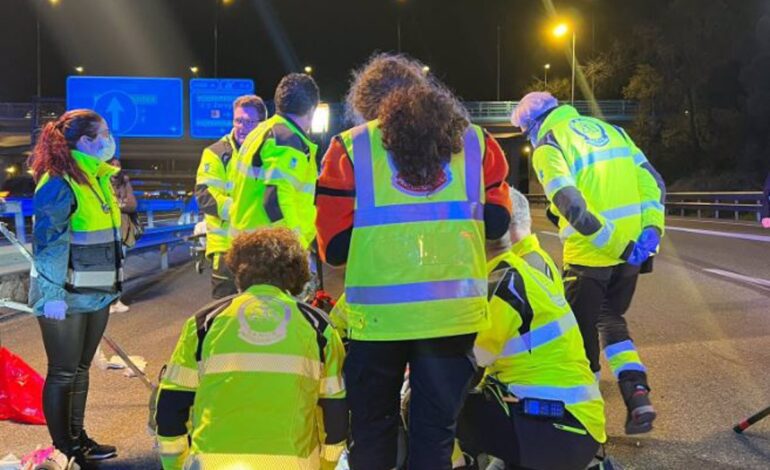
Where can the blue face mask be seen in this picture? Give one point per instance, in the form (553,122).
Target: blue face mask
(107,150)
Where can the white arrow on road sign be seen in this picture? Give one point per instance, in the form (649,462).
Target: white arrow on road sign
(114,108)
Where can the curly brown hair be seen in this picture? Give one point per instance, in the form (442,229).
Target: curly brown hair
(379,76)
(271,256)
(422,126)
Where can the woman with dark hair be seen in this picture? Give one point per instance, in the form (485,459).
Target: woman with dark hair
(77,263)
(406,200)
(259,375)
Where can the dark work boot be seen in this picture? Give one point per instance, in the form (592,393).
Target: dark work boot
(636,395)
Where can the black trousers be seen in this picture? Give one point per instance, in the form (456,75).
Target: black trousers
(523,442)
(222,280)
(70,345)
(600,297)
(440,372)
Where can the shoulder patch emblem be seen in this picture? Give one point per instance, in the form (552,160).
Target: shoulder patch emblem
(591,132)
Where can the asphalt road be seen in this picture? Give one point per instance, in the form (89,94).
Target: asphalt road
(701,322)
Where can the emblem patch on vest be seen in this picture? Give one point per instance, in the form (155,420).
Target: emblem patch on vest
(591,132)
(263,321)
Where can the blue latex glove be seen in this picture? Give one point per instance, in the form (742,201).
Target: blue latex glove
(649,240)
(638,255)
(55,310)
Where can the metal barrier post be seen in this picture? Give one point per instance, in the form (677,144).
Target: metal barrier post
(164,257)
(18,220)
(150,219)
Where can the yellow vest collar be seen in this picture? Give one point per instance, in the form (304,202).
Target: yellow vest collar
(92,165)
(266,290)
(526,245)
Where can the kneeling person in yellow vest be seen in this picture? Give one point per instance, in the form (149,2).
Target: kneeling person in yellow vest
(255,381)
(539,406)
(275,174)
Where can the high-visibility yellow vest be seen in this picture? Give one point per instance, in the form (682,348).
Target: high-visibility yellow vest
(95,243)
(534,344)
(258,365)
(416,263)
(277,162)
(602,162)
(213,173)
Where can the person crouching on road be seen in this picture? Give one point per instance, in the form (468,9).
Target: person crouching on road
(407,199)
(78,258)
(259,375)
(539,406)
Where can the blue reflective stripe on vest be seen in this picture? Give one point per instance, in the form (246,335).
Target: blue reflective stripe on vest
(362,167)
(611,215)
(653,205)
(416,292)
(614,349)
(248,170)
(639,159)
(629,366)
(473,164)
(569,395)
(106,235)
(603,237)
(592,158)
(558,183)
(540,335)
(405,213)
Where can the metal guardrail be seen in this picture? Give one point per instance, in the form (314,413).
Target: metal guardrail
(702,204)
(166,222)
(500,111)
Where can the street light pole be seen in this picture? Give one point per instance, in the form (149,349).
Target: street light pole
(574,66)
(37,46)
(216,37)
(546,67)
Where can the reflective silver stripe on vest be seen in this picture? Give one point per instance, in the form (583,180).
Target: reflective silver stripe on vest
(248,170)
(568,395)
(107,235)
(91,278)
(540,335)
(277,175)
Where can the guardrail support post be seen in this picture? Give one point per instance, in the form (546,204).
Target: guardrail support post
(18,220)
(164,257)
(150,219)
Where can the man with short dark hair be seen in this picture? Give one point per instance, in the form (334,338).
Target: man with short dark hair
(212,188)
(275,174)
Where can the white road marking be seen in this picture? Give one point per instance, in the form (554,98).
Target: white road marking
(714,233)
(739,277)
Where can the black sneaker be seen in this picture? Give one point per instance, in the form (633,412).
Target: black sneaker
(93,451)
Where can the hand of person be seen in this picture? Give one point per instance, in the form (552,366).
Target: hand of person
(766,222)
(639,255)
(55,310)
(649,240)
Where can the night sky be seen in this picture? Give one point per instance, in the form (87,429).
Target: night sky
(263,39)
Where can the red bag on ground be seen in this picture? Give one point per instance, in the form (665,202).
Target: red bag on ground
(21,390)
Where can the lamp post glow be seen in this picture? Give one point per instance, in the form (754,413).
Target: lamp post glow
(425,69)
(546,67)
(320,122)
(79,69)
(194,69)
(308,69)
(561,30)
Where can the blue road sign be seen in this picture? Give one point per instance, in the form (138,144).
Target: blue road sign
(132,106)
(211,105)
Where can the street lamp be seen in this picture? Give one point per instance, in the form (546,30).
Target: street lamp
(561,30)
(546,67)
(425,69)
(308,69)
(194,69)
(79,69)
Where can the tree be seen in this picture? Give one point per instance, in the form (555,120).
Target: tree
(561,88)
